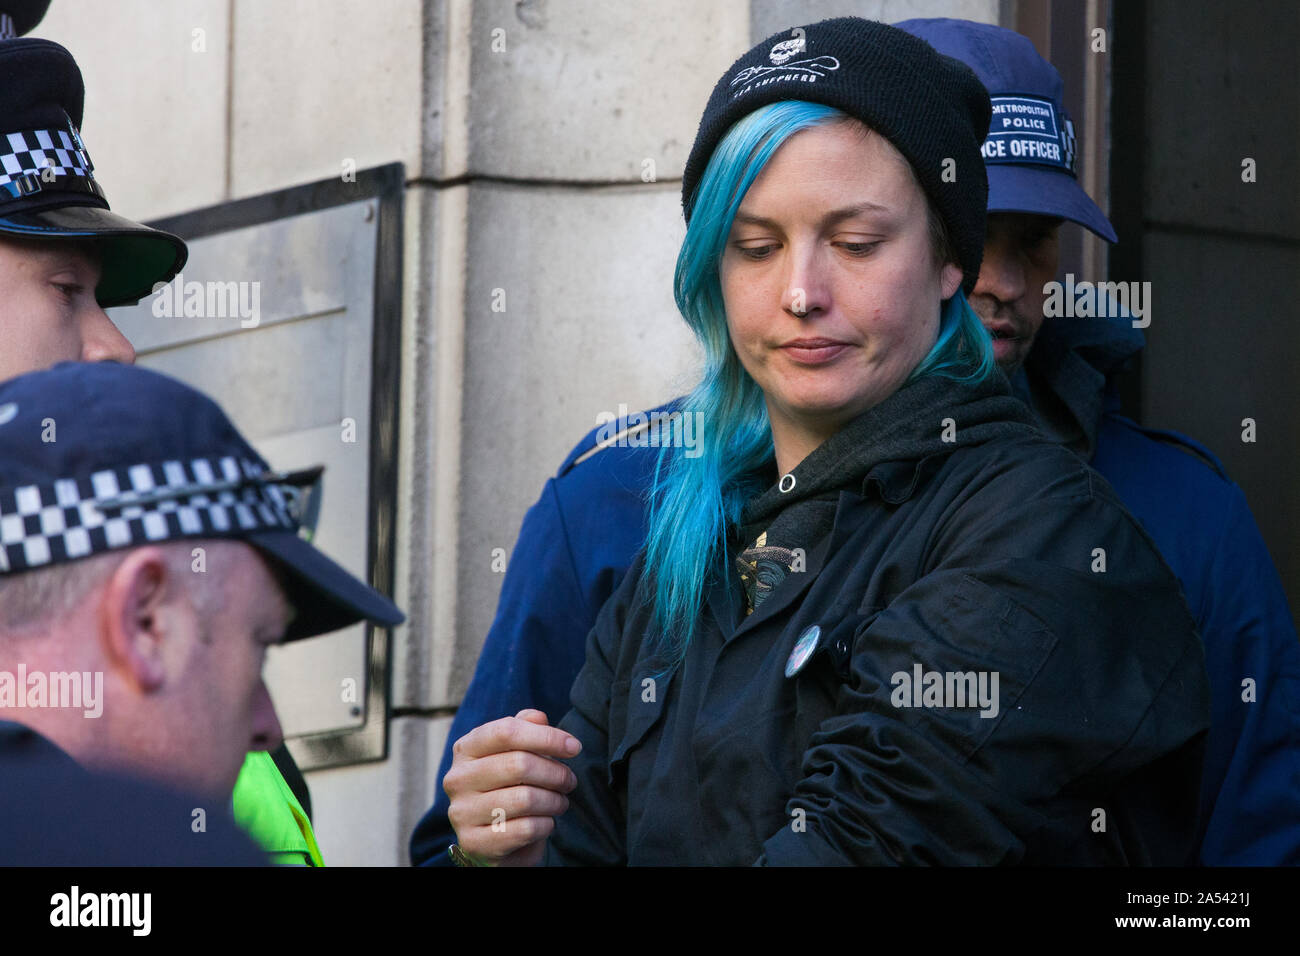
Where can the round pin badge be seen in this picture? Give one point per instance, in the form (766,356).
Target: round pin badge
(803,649)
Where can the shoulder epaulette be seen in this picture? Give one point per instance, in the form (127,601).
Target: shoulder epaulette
(1187,445)
(614,433)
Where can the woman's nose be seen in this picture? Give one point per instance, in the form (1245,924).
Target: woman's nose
(806,288)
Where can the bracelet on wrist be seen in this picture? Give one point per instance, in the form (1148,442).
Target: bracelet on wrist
(461,858)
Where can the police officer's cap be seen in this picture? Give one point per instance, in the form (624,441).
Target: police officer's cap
(47,183)
(102,456)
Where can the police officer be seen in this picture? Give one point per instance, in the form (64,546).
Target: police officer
(1067,370)
(148,559)
(64,255)
(64,258)
(578,540)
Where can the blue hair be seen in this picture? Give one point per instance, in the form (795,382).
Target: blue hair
(695,500)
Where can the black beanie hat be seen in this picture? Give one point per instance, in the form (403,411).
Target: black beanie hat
(931,107)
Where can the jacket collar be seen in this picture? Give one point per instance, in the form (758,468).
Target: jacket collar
(896,481)
(927,418)
(1069,378)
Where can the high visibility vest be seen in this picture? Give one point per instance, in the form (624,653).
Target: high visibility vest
(267,810)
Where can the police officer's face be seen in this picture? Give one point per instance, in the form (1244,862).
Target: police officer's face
(829,277)
(1021,253)
(220,704)
(48,312)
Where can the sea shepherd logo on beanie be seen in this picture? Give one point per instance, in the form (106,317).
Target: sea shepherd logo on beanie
(800,71)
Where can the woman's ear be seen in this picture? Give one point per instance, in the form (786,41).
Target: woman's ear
(950,279)
(132,615)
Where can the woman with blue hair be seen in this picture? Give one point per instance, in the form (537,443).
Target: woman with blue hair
(879,618)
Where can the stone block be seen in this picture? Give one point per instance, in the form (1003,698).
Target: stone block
(320,83)
(592,91)
(156,85)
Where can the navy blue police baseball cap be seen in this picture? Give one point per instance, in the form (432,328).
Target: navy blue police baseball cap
(1031,151)
(99,456)
(48,188)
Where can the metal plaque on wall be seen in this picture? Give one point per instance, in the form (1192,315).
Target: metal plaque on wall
(288,315)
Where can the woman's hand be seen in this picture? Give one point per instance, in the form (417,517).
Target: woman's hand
(507,785)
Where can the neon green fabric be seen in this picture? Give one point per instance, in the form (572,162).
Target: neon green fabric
(269,812)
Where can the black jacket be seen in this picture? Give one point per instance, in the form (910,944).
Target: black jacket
(979,554)
(53,812)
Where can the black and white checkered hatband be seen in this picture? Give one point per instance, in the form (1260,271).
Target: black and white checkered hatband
(40,159)
(142,504)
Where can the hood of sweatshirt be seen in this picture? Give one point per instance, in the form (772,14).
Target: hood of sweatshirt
(890,444)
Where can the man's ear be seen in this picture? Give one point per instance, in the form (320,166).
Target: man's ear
(133,615)
(950,279)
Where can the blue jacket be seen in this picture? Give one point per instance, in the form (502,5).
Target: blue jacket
(581,536)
